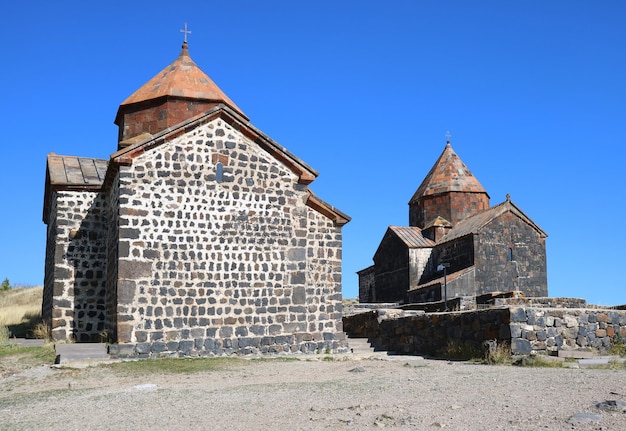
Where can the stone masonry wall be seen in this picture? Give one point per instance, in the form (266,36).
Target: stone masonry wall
(112,256)
(430,334)
(452,206)
(223,262)
(550,329)
(526,272)
(526,330)
(75,270)
(367,287)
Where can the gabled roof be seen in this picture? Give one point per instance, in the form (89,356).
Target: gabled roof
(448,174)
(305,173)
(72,173)
(181,79)
(411,236)
(437,222)
(126,155)
(473,224)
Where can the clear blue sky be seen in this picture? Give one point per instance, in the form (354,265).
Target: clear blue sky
(533,93)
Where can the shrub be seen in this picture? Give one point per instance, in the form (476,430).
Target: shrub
(6,285)
(618,346)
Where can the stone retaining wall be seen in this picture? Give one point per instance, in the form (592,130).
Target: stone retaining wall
(550,329)
(430,334)
(527,330)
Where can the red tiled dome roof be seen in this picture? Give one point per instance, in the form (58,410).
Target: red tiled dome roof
(449,174)
(182,79)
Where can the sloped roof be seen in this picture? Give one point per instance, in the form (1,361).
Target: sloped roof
(338,217)
(306,173)
(72,173)
(474,223)
(437,222)
(182,79)
(125,155)
(448,174)
(411,236)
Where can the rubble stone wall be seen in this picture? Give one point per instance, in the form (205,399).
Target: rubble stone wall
(550,329)
(223,259)
(75,272)
(526,330)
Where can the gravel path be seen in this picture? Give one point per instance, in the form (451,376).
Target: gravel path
(347,393)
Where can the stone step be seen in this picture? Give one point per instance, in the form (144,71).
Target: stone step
(362,347)
(80,352)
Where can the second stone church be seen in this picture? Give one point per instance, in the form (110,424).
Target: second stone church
(483,249)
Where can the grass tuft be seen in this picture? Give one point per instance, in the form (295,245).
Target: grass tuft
(618,346)
(538,361)
(460,351)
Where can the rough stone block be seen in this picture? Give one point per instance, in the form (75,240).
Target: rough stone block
(132,270)
(124,332)
(126,291)
(518,314)
(519,346)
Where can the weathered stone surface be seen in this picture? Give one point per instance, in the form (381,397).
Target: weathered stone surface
(518,314)
(520,346)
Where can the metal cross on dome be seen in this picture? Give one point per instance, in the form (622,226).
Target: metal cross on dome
(186,32)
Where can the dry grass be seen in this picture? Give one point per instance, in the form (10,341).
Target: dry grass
(20,310)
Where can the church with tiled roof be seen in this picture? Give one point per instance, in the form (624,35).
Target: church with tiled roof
(456,244)
(198,236)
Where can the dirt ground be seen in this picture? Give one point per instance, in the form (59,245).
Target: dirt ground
(402,393)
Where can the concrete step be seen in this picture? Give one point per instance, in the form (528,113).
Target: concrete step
(80,352)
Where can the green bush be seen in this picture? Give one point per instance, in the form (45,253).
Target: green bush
(6,285)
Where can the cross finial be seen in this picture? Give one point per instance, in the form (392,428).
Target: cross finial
(186,33)
(448,135)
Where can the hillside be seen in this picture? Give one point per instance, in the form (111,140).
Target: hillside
(20,310)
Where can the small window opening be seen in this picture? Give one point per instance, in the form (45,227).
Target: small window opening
(510,255)
(219,172)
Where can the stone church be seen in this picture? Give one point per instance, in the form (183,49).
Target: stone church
(198,236)
(483,249)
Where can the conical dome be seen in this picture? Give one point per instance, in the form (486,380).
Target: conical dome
(177,93)
(448,174)
(450,190)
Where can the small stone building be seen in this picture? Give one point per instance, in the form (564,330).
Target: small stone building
(199,235)
(484,249)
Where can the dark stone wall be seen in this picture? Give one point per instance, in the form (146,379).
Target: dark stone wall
(367,284)
(495,272)
(452,206)
(112,259)
(431,334)
(391,269)
(51,256)
(222,264)
(74,291)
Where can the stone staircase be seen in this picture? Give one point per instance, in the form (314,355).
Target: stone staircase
(362,348)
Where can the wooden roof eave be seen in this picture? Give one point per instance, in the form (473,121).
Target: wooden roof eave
(339,218)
